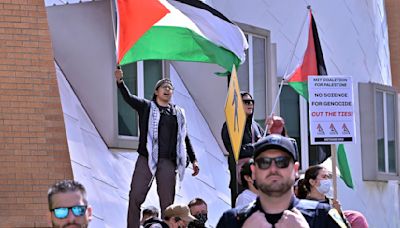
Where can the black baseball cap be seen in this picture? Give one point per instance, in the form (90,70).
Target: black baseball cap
(275,141)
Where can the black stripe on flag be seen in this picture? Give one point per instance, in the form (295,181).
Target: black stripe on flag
(199,4)
(318,50)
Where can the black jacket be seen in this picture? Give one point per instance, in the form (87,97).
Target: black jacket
(315,213)
(142,106)
(251,131)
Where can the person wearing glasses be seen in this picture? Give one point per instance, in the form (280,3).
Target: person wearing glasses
(251,134)
(68,204)
(163,146)
(274,171)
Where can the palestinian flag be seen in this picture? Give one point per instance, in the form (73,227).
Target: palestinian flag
(314,64)
(182,30)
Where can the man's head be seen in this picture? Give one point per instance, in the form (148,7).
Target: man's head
(149,212)
(198,208)
(178,215)
(248,103)
(246,174)
(68,204)
(163,90)
(275,165)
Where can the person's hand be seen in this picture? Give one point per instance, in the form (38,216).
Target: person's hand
(257,219)
(292,218)
(196,168)
(118,75)
(181,224)
(336,204)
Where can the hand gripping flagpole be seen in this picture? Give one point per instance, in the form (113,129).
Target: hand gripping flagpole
(285,75)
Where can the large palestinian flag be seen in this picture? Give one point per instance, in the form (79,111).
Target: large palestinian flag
(314,64)
(182,30)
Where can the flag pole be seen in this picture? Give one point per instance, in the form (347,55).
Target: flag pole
(286,71)
(334,175)
(114,21)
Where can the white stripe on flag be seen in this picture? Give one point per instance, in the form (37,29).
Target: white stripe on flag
(215,29)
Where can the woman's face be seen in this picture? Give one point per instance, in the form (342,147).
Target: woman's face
(248,104)
(323,174)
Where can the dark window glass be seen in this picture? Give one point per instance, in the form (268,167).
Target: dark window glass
(127,117)
(380,131)
(289,109)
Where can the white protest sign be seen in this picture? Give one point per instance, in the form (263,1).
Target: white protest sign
(331,109)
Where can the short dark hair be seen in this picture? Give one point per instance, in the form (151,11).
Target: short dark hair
(243,93)
(63,187)
(151,211)
(196,202)
(246,171)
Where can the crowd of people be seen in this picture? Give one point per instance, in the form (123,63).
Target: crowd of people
(265,190)
(69,207)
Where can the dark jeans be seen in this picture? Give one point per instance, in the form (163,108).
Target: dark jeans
(140,186)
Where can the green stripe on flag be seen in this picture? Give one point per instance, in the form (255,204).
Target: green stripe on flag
(180,44)
(343,166)
(301,88)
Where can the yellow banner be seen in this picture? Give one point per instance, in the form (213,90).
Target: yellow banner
(235,115)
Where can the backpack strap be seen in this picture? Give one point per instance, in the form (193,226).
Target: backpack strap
(307,204)
(246,212)
(309,209)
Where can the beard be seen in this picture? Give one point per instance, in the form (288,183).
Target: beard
(277,188)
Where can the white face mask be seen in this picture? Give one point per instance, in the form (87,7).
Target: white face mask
(325,186)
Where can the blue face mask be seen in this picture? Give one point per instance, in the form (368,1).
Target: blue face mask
(325,186)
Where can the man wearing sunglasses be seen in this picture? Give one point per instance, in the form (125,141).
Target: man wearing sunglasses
(68,205)
(274,171)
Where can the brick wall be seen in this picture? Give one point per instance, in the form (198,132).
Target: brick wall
(393,18)
(33,148)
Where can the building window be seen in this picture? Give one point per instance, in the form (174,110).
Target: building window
(140,78)
(379,134)
(289,110)
(252,74)
(386,141)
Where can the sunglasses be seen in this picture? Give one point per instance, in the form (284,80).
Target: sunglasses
(62,212)
(266,162)
(248,102)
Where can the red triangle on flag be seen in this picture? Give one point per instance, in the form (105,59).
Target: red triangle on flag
(135,17)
